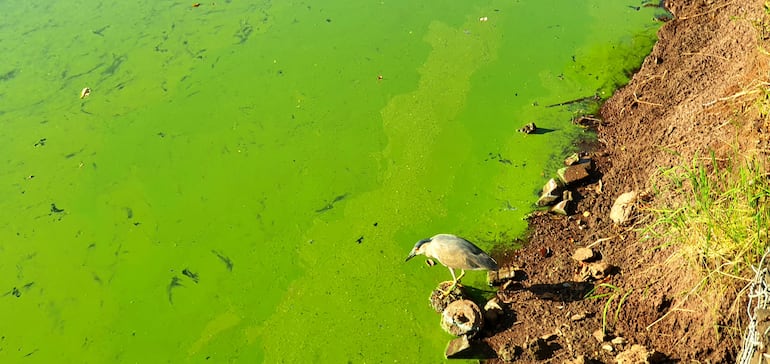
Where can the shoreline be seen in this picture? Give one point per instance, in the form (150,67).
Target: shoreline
(693,95)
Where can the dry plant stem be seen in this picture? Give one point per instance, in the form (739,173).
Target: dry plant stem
(637,100)
(705,12)
(704,55)
(728,98)
(600,241)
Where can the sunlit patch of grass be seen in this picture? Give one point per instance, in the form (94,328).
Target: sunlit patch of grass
(715,217)
(720,214)
(610,293)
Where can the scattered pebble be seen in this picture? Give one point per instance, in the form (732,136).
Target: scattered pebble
(619,341)
(583,254)
(577,317)
(599,335)
(623,208)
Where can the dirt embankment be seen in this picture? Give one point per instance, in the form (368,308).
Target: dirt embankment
(696,92)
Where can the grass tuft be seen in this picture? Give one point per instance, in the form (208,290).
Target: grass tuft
(611,293)
(720,215)
(716,220)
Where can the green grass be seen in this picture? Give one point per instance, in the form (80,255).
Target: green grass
(718,215)
(611,293)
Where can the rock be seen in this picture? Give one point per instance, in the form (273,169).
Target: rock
(462,317)
(619,341)
(600,270)
(572,159)
(623,208)
(493,311)
(550,193)
(457,347)
(595,271)
(584,254)
(608,348)
(529,128)
(599,335)
(576,172)
(639,354)
(495,278)
(511,286)
(577,317)
(561,208)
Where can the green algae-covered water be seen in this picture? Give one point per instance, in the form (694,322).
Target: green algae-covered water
(246,178)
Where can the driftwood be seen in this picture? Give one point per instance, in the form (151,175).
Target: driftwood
(594,97)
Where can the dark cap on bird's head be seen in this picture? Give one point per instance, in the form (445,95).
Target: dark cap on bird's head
(416,250)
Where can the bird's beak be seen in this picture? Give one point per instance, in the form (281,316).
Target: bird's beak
(411,255)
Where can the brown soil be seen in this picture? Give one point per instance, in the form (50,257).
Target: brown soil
(696,92)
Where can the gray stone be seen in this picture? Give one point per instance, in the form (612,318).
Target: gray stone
(573,159)
(550,193)
(576,172)
(623,208)
(457,347)
(561,208)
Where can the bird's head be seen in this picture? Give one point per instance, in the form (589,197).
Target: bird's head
(419,249)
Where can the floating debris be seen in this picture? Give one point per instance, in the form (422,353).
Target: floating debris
(224,259)
(85,92)
(528,129)
(191,274)
(55,209)
(175,282)
(330,205)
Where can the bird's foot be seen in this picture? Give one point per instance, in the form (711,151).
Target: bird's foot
(448,291)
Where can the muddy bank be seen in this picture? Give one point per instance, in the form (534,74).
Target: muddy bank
(695,92)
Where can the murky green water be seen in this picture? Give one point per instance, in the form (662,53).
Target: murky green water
(241,187)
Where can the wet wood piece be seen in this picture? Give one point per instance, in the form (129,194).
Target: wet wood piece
(594,97)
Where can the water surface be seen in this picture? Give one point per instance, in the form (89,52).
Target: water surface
(242,186)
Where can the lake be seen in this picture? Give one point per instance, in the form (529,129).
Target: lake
(246,178)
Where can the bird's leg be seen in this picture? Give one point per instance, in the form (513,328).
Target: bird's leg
(462,274)
(455,281)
